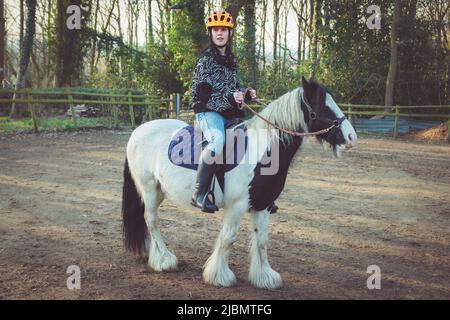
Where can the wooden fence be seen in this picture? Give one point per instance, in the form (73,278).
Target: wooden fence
(353,110)
(396,112)
(155,106)
(172,105)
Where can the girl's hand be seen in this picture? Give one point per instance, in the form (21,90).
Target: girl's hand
(238,97)
(253,94)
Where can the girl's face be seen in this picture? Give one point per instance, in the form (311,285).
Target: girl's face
(220,36)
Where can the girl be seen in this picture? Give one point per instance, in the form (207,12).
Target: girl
(215,99)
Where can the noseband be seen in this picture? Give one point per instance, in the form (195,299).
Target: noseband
(314,117)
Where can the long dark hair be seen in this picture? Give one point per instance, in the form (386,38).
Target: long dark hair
(229,60)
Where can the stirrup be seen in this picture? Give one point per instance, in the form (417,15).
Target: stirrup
(202,204)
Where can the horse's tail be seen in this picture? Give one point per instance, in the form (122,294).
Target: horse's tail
(135,231)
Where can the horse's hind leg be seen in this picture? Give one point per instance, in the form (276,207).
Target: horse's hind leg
(261,273)
(159,257)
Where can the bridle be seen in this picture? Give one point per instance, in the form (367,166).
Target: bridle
(334,124)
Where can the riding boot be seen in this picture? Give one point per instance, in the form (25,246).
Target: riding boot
(205,173)
(272,208)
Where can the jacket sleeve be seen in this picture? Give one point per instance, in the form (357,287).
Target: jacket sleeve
(201,84)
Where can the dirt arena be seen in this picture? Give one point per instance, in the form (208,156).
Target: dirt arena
(384,203)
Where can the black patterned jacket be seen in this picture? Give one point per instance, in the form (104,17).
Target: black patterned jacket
(213,86)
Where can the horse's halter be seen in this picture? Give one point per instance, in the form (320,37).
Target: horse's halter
(333,123)
(314,117)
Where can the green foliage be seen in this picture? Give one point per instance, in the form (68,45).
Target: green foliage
(181,45)
(150,69)
(352,56)
(353,60)
(273,84)
(160,75)
(8,125)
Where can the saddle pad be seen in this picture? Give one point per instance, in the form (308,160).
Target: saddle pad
(186,146)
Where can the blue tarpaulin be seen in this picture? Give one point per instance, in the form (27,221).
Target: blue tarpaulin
(386,124)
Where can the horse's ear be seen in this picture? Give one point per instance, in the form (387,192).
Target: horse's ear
(306,86)
(305,83)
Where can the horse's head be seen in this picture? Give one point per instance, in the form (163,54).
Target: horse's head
(321,112)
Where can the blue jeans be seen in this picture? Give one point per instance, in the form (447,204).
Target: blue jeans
(213,125)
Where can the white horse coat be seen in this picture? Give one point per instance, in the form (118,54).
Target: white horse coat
(150,178)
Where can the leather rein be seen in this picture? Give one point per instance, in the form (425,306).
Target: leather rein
(334,124)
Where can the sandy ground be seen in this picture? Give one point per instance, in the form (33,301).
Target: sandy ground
(384,203)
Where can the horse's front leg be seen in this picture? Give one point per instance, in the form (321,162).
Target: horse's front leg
(216,270)
(261,274)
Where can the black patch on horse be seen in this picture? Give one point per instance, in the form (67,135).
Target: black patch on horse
(265,189)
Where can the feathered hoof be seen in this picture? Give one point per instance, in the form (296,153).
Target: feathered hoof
(219,277)
(165,262)
(266,278)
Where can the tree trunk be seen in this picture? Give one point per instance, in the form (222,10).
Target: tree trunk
(2,42)
(311,28)
(130,23)
(390,80)
(21,25)
(48,34)
(105,29)
(25,53)
(94,40)
(136,20)
(162,29)
(276,15)
(263,40)
(59,43)
(250,41)
(150,39)
(317,29)
(286,14)
(69,44)
(299,14)
(195,9)
(233,7)
(119,23)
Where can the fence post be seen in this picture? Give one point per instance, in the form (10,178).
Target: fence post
(448,129)
(178,99)
(115,111)
(170,106)
(130,100)
(350,118)
(33,115)
(149,109)
(396,122)
(72,110)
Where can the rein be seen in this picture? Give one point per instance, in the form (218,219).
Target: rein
(312,117)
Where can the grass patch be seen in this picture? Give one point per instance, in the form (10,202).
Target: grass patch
(365,134)
(8,125)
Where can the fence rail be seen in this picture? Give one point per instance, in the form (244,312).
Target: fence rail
(33,97)
(351,110)
(395,111)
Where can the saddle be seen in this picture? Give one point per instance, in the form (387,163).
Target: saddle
(188,142)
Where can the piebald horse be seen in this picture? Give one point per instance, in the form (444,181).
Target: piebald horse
(149,178)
